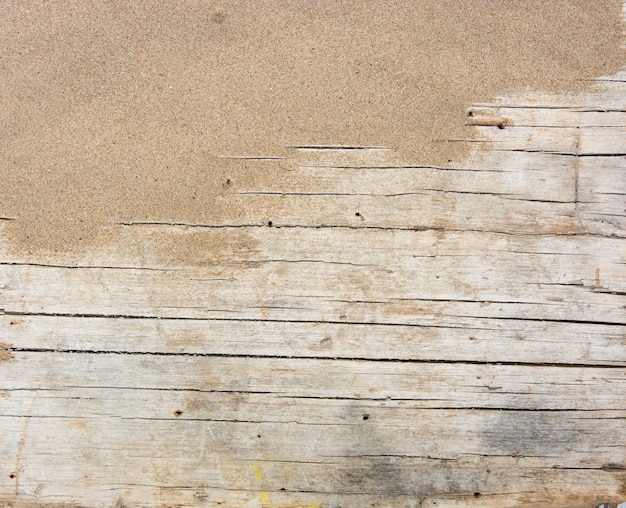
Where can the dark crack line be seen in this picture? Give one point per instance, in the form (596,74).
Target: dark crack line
(312,358)
(89,267)
(414,229)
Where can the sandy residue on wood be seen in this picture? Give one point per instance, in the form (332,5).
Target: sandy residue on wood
(5,351)
(118,112)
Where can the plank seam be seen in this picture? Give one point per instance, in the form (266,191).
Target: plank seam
(312,358)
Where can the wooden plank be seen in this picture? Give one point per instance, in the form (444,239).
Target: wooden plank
(244,437)
(306,274)
(448,339)
(226,456)
(601,194)
(396,180)
(428,384)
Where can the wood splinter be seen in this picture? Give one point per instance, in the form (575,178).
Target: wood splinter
(498,122)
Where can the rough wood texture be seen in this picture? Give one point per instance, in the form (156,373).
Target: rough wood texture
(397,336)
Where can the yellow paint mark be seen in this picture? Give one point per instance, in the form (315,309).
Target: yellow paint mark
(257,471)
(264,497)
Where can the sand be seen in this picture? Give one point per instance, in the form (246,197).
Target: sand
(120,111)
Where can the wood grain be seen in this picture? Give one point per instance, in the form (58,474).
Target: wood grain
(398,336)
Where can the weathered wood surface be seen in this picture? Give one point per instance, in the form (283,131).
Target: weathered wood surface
(397,336)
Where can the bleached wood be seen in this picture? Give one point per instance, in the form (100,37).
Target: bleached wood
(295,274)
(447,339)
(417,458)
(399,336)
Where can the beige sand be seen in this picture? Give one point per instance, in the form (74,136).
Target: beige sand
(120,111)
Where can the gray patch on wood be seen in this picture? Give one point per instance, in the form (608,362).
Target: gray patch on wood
(521,433)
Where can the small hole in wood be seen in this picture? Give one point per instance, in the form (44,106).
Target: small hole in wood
(501,126)
(178,412)
(470,113)
(357,214)
(270,223)
(476,494)
(258,435)
(228,182)
(283,489)
(12,476)
(366,417)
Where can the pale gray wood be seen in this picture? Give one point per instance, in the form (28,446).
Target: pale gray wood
(428,385)
(301,274)
(221,456)
(449,339)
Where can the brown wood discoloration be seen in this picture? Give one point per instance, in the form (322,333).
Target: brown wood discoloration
(5,351)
